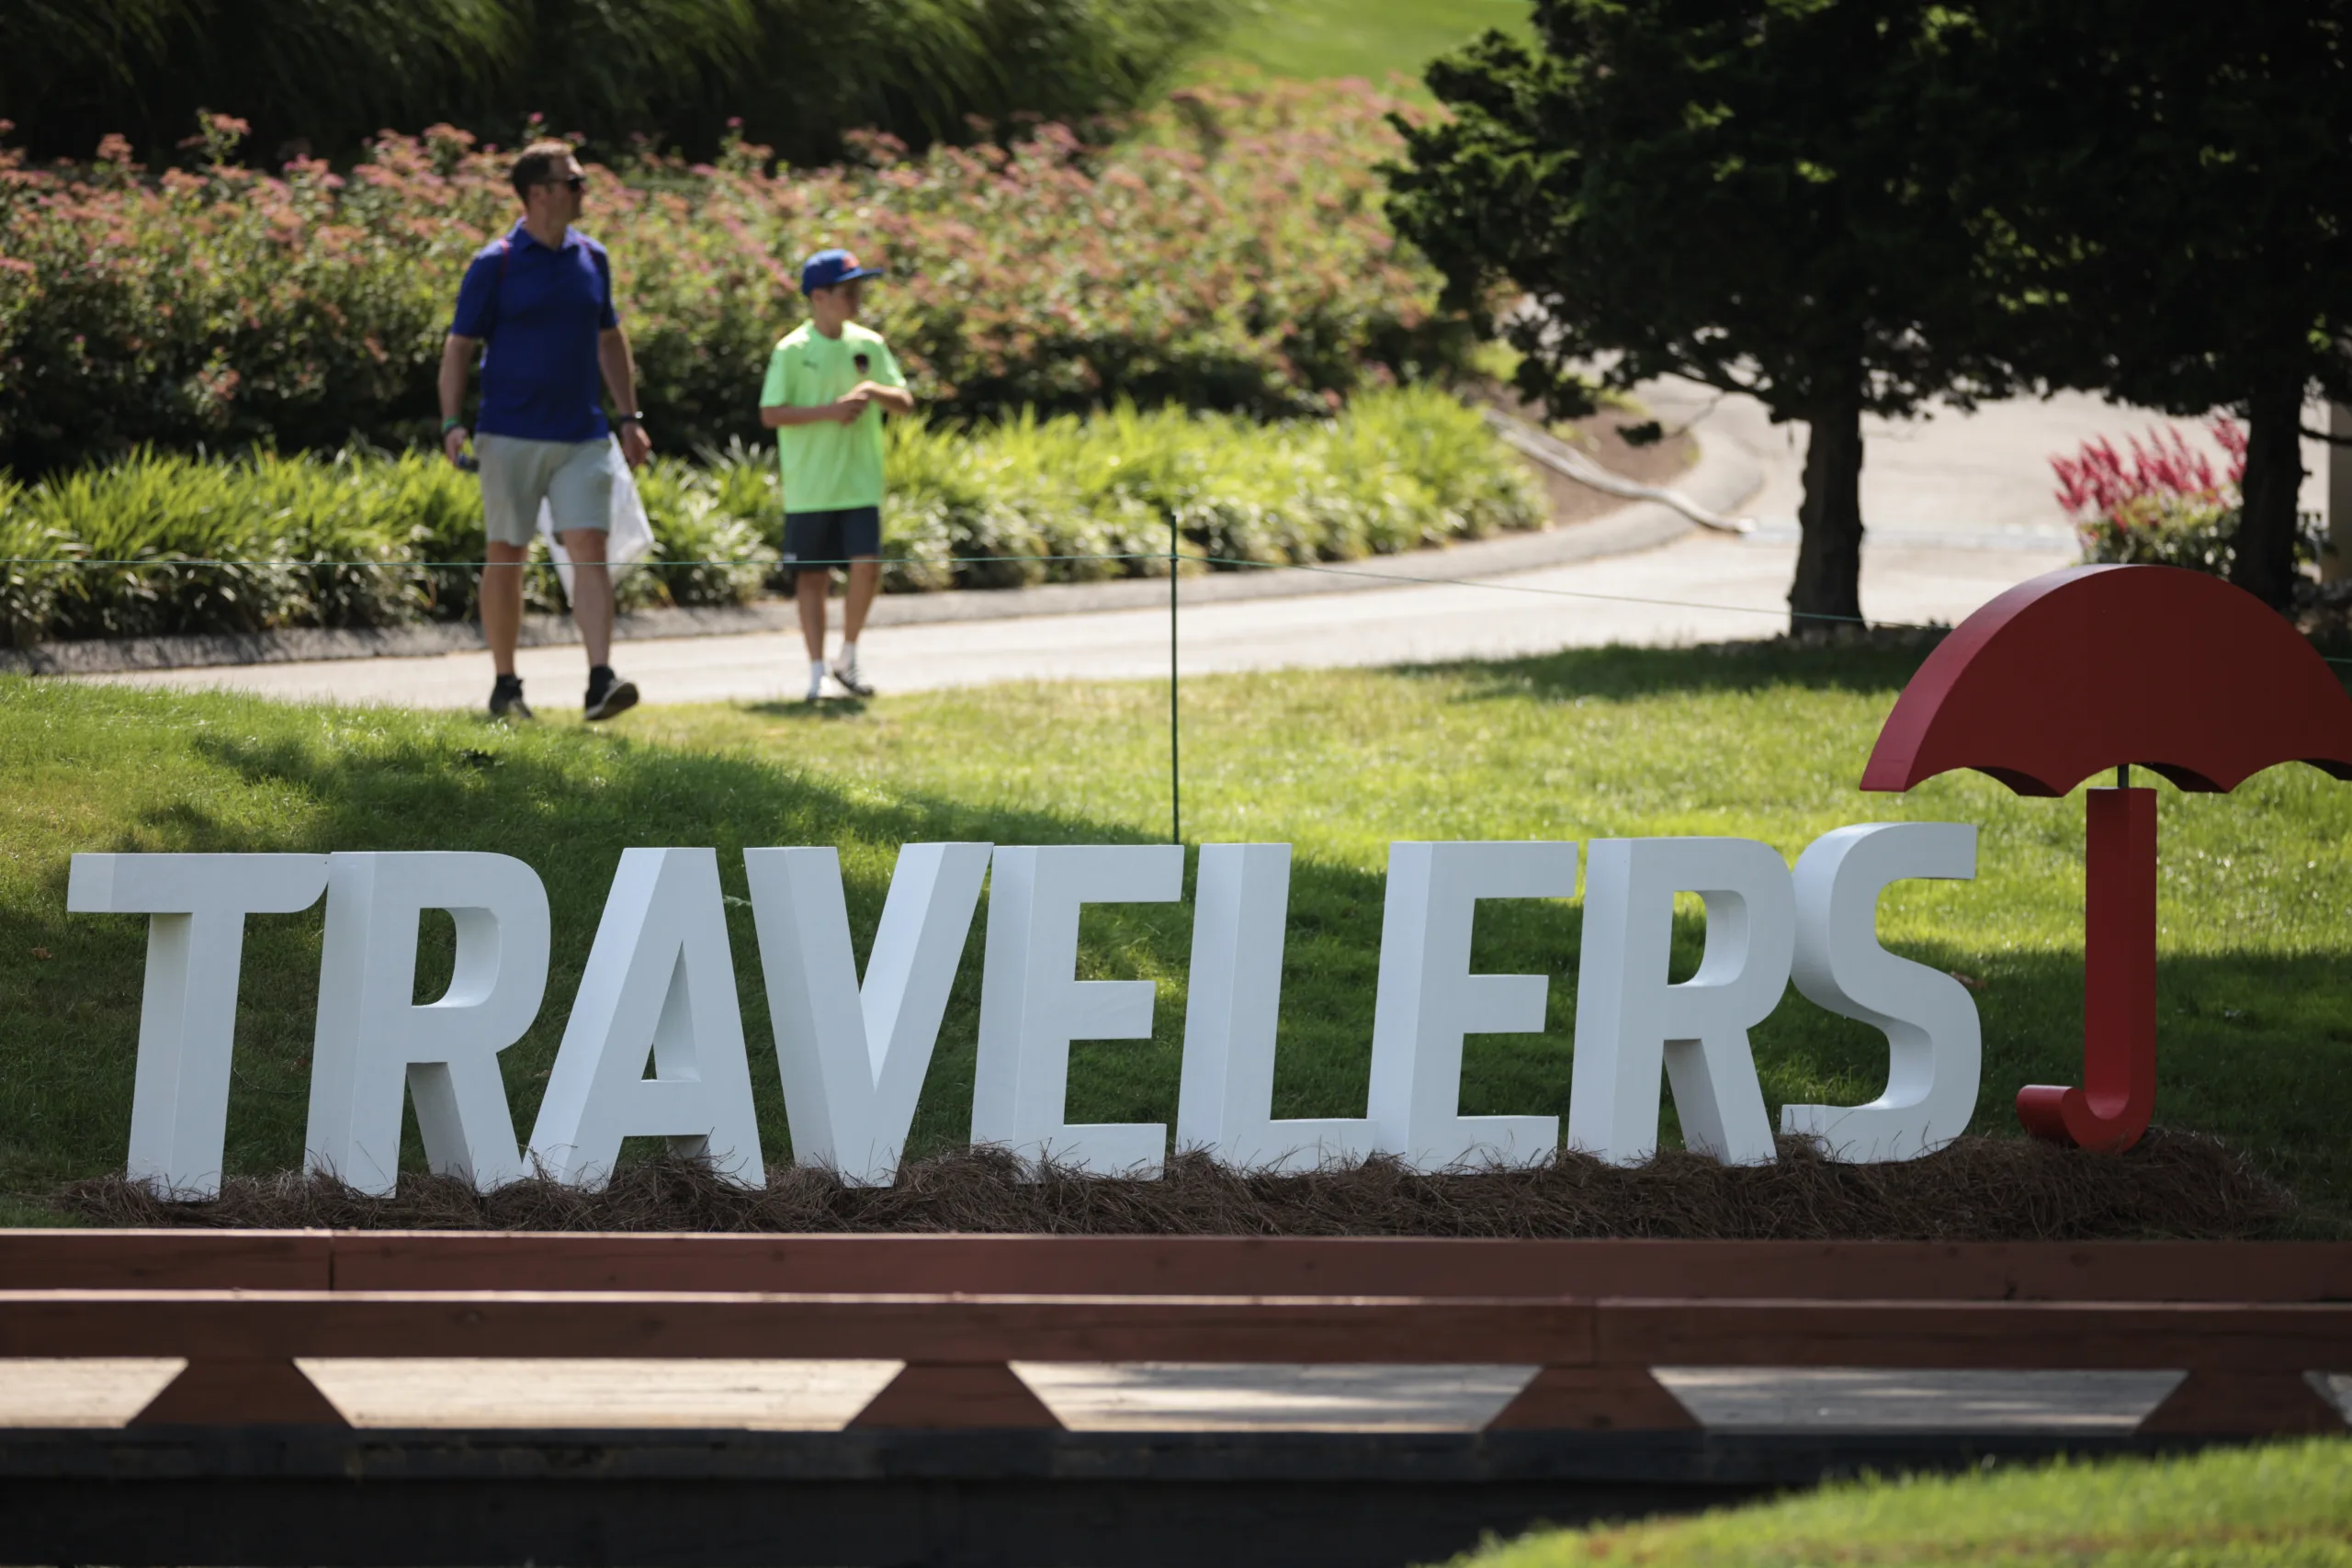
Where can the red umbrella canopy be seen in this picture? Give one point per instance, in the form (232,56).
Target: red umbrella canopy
(2096,666)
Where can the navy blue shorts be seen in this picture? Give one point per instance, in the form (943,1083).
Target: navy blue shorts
(829,536)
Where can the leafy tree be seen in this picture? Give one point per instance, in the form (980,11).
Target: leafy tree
(2177,181)
(1753,194)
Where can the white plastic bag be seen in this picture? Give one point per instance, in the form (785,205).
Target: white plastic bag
(630,537)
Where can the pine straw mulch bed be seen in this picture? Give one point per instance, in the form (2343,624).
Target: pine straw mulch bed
(2173,1185)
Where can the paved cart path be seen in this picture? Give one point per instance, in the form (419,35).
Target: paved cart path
(1702,588)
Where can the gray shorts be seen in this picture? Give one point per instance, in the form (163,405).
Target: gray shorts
(574,477)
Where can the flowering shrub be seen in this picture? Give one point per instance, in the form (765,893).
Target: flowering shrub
(370,539)
(1231,253)
(2166,507)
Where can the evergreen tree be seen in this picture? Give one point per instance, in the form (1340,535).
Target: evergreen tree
(1754,194)
(2177,182)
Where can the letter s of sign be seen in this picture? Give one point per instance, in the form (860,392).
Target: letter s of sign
(1934,1040)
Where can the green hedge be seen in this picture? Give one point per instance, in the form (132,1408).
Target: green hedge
(350,539)
(326,73)
(1231,253)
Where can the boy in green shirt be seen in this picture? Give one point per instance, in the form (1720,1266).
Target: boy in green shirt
(828,382)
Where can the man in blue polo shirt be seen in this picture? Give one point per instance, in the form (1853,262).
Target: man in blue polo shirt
(536,309)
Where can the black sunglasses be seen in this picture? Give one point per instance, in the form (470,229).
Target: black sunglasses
(574,183)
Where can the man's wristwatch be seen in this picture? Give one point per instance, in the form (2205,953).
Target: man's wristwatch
(450,425)
(635,419)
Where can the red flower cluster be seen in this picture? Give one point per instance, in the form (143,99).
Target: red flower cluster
(2098,483)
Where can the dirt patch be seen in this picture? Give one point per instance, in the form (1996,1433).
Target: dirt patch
(2173,1185)
(1601,437)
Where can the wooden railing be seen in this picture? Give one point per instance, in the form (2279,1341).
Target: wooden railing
(2247,1323)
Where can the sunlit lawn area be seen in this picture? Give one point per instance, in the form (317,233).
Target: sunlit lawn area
(2290,1503)
(1371,38)
(2256,1011)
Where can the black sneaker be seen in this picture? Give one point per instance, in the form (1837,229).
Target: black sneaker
(506,698)
(852,681)
(608,694)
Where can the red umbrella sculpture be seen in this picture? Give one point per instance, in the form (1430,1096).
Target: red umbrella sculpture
(2104,667)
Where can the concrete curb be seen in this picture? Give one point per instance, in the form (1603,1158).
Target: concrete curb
(1722,478)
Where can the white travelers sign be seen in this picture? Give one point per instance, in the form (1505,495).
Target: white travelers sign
(660,991)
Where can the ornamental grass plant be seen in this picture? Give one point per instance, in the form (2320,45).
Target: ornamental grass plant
(1230,253)
(166,544)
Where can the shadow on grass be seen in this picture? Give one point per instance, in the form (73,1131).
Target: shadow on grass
(1624,674)
(804,712)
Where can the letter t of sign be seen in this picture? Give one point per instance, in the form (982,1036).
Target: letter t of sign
(196,939)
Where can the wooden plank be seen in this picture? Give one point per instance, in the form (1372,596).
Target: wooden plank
(447,1260)
(2244,1403)
(2295,1336)
(1176,1265)
(1593,1399)
(205,1323)
(257,1390)
(940,1396)
(165,1260)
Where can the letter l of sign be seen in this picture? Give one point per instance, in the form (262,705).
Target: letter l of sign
(853,1058)
(1225,1099)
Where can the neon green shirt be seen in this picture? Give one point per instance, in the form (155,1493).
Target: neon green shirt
(826,465)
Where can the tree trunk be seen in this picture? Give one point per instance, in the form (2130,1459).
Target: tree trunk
(1827,593)
(2263,562)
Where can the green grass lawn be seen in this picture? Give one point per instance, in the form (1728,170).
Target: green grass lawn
(2255,1006)
(1372,38)
(2275,1506)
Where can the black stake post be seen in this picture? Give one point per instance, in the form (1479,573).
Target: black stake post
(1175,773)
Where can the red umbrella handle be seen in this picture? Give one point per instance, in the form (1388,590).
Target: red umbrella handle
(2119,1094)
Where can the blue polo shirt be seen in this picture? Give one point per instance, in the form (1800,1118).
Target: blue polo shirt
(538,312)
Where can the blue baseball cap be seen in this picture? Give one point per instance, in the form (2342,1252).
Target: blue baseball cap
(827,268)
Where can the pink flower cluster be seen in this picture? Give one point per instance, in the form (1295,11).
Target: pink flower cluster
(2096,483)
(1230,252)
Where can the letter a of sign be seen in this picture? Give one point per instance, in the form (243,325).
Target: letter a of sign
(660,983)
(373,1039)
(852,1059)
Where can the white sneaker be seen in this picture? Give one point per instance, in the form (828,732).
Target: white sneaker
(851,681)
